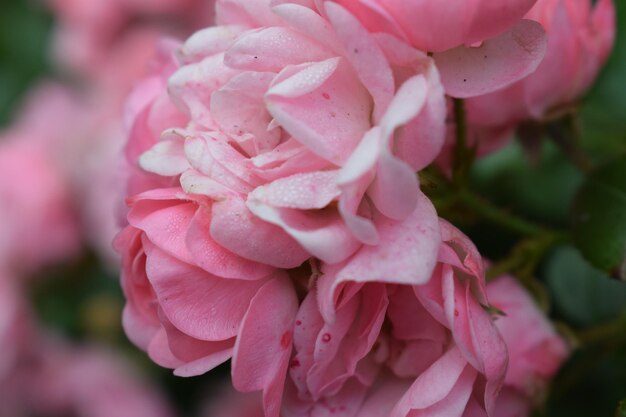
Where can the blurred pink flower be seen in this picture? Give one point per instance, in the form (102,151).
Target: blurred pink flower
(91,382)
(51,378)
(38,225)
(41,374)
(90,32)
(536,351)
(580,38)
(380,338)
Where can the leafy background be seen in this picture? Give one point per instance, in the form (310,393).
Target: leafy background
(576,280)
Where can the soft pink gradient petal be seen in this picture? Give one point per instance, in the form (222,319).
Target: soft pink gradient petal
(322,106)
(322,233)
(197,303)
(264,343)
(272,49)
(496,64)
(365,56)
(442,390)
(407,253)
(238,230)
(213,258)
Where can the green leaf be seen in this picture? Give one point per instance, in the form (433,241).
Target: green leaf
(599,216)
(583,295)
(541,192)
(604,109)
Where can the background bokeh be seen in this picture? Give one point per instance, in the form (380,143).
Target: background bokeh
(81,298)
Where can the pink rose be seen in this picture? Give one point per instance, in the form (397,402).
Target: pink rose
(307,140)
(479,46)
(580,38)
(436,26)
(38,225)
(380,338)
(536,351)
(193,304)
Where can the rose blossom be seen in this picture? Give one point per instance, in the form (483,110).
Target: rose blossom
(291,131)
(479,46)
(380,338)
(535,349)
(436,26)
(283,142)
(580,38)
(193,305)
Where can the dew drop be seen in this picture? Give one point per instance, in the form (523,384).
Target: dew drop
(285,340)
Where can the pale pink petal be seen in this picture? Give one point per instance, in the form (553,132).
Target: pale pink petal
(288,158)
(213,258)
(366,57)
(321,232)
(191,86)
(342,344)
(264,343)
(476,336)
(323,106)
(394,189)
(313,190)
(437,386)
(497,63)
(307,327)
(209,41)
(235,228)
(139,328)
(214,157)
(420,141)
(407,253)
(272,49)
(159,351)
(164,221)
(239,110)
(197,303)
(308,22)
(198,356)
(166,157)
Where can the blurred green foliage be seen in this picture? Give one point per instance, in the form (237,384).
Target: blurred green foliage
(599,217)
(24,47)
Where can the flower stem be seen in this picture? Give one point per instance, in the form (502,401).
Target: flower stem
(463,156)
(497,215)
(567,136)
(606,332)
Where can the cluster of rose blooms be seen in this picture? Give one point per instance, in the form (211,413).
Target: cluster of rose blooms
(275,217)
